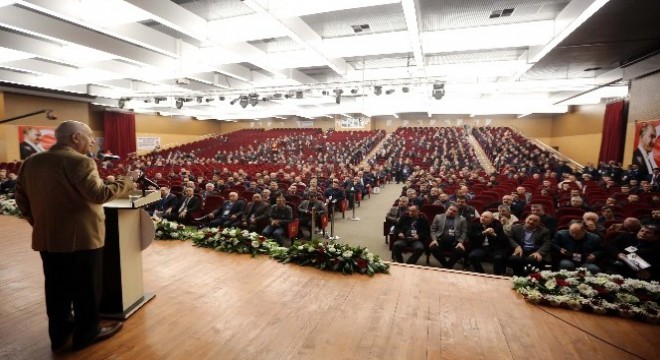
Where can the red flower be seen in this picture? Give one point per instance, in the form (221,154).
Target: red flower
(562,282)
(536,276)
(618,281)
(361,263)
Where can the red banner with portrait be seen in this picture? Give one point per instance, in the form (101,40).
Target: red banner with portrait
(35,139)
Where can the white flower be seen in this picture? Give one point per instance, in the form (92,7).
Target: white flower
(331,249)
(174,235)
(255,244)
(370,257)
(347,254)
(551,284)
(300,247)
(587,290)
(310,249)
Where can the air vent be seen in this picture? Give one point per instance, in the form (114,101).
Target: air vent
(359,29)
(501,13)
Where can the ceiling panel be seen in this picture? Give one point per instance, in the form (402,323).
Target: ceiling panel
(456,14)
(215,9)
(381,19)
(275,45)
(606,41)
(474,56)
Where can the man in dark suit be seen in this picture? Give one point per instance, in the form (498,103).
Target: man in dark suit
(280,217)
(229,214)
(256,212)
(577,247)
(209,190)
(547,221)
(448,235)
(60,193)
(643,155)
(166,204)
(412,231)
(487,239)
(531,244)
(305,213)
(645,244)
(188,204)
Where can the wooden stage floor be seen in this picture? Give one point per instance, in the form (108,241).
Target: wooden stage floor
(210,305)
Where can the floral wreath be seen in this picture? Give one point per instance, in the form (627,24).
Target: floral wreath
(598,293)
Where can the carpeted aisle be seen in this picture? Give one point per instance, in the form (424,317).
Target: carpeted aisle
(368,231)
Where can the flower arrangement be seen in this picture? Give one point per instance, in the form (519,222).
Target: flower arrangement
(322,255)
(233,240)
(171,230)
(8,207)
(333,257)
(599,293)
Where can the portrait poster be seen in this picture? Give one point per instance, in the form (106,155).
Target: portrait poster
(35,139)
(148,143)
(646,148)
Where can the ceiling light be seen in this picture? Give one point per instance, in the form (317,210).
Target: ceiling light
(200,99)
(243,101)
(234,101)
(405,89)
(378,90)
(253,99)
(389,92)
(299,94)
(221,98)
(354,91)
(209,99)
(438,91)
(338,93)
(158,99)
(179,103)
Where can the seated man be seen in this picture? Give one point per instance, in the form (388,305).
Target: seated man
(280,217)
(256,212)
(188,204)
(334,195)
(590,222)
(487,239)
(209,190)
(466,211)
(448,233)
(412,230)
(578,248)
(506,218)
(645,244)
(229,214)
(305,213)
(531,244)
(547,221)
(166,205)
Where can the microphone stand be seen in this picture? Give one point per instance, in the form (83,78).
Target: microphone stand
(311,227)
(353,218)
(145,182)
(332,222)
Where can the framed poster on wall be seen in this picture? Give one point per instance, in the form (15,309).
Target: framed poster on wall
(646,153)
(35,139)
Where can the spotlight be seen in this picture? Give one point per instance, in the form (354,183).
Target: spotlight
(338,93)
(253,99)
(200,99)
(299,94)
(389,92)
(378,90)
(221,98)
(438,91)
(179,103)
(209,99)
(188,99)
(405,89)
(277,96)
(147,100)
(324,92)
(121,103)
(158,99)
(244,101)
(287,96)
(354,91)
(50,116)
(234,101)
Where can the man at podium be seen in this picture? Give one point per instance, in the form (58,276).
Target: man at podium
(67,217)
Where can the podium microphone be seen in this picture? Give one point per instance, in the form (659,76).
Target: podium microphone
(145,182)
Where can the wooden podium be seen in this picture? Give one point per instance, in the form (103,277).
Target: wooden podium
(128,231)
